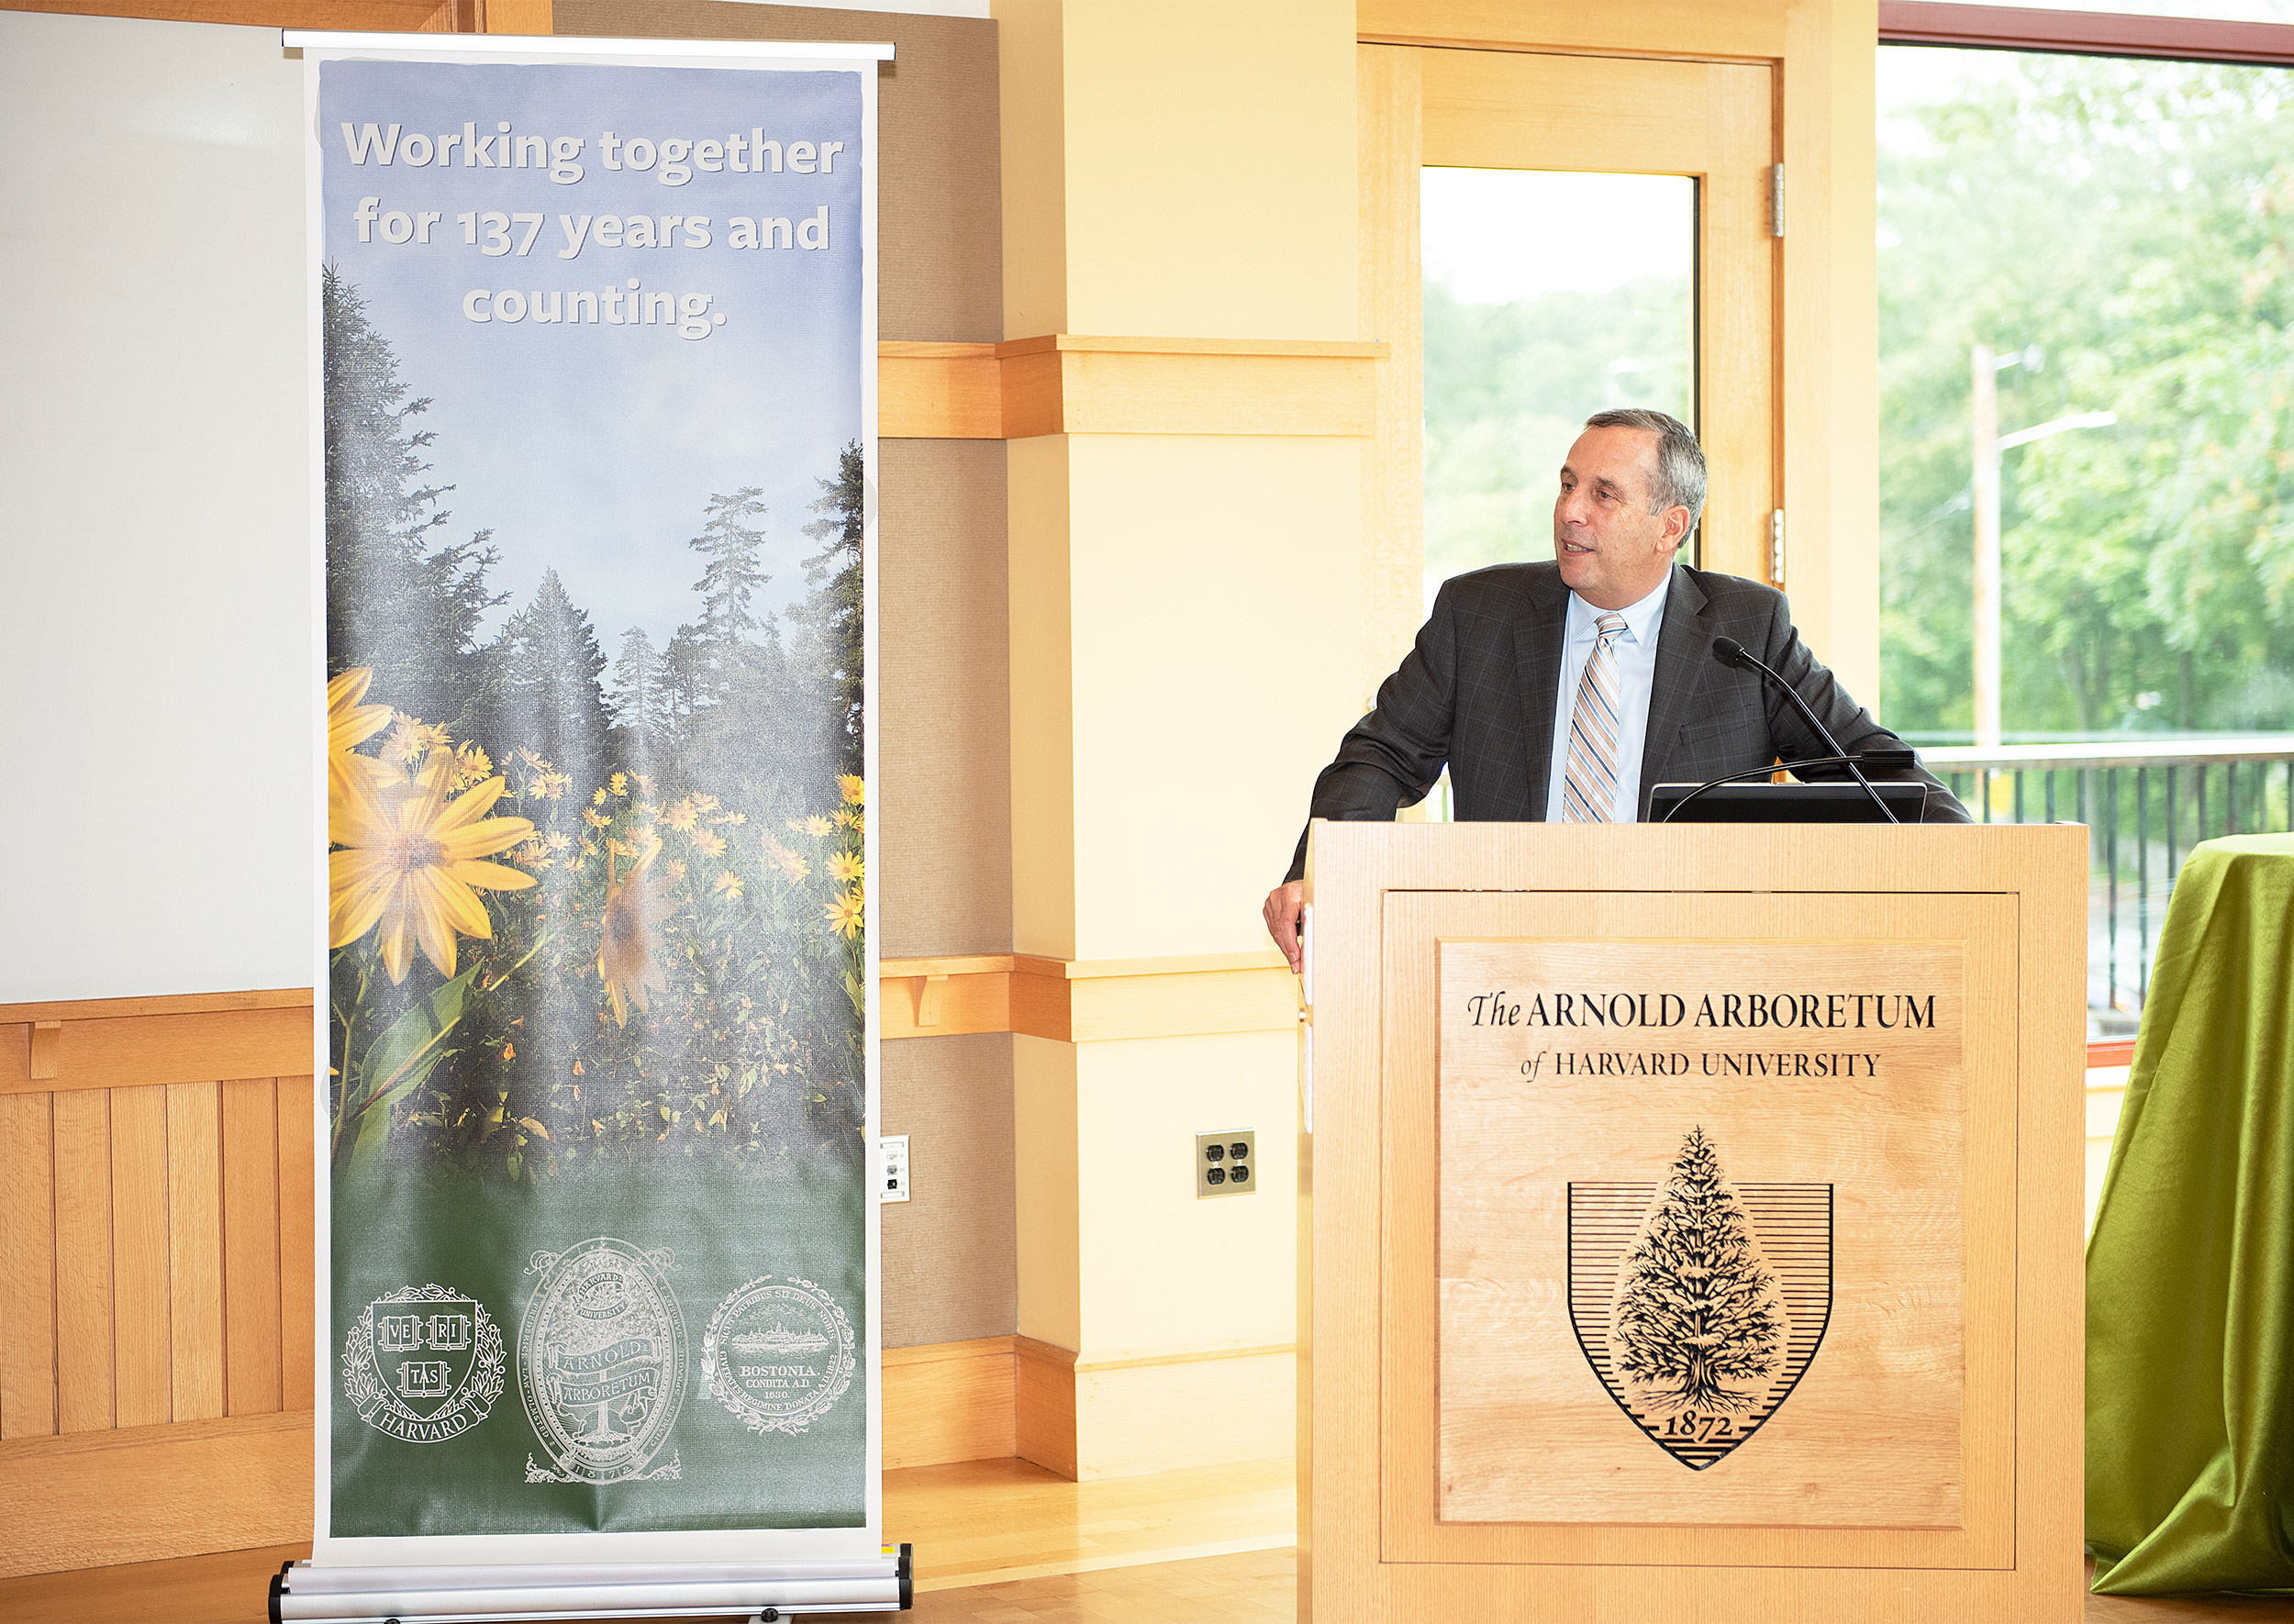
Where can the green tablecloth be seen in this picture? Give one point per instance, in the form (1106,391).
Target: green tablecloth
(2190,1271)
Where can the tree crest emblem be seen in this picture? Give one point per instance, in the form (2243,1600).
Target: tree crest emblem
(1700,1302)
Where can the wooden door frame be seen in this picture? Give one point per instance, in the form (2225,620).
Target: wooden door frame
(1826,330)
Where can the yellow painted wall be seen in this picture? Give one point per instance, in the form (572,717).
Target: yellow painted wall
(1183,615)
(1169,1273)
(1831,336)
(1216,592)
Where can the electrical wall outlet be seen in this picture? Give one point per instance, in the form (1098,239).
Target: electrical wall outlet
(1226,1163)
(892,1151)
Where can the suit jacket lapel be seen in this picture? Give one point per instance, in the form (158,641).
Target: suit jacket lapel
(1537,639)
(1683,650)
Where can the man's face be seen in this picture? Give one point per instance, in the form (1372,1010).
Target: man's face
(1613,550)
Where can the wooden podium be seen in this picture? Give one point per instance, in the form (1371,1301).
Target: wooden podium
(1691,1223)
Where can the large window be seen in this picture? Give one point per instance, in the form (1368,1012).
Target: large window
(2119,234)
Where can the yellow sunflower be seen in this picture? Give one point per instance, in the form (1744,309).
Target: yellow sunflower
(844,867)
(619,783)
(351,776)
(683,816)
(729,885)
(845,912)
(410,864)
(629,946)
(816,826)
(855,789)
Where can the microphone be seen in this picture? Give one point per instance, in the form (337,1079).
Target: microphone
(1734,654)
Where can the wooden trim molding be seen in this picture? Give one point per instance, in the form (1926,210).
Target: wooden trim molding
(1067,384)
(376,17)
(1088,1001)
(1700,31)
(2085,33)
(139,1493)
(135,1042)
(945,1402)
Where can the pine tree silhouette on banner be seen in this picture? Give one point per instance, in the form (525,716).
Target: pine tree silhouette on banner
(1698,1322)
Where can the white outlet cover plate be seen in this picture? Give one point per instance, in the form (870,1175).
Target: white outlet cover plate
(893,1155)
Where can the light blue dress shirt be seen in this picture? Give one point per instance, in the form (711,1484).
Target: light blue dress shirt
(1636,653)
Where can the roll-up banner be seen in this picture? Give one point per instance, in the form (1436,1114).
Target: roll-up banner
(594,413)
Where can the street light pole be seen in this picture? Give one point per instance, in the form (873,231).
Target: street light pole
(1984,373)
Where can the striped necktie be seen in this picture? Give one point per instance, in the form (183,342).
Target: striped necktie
(1589,794)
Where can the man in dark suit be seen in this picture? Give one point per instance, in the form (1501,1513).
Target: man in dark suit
(1565,692)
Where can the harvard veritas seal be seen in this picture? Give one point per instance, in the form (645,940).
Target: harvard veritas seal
(778,1354)
(422,1365)
(601,1362)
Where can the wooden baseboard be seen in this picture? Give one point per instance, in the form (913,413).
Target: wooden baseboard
(948,1401)
(139,1493)
(1093,1418)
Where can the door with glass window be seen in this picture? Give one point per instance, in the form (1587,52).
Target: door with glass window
(1545,236)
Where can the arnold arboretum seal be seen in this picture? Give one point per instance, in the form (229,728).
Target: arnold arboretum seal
(601,1362)
(778,1353)
(422,1365)
(1700,1302)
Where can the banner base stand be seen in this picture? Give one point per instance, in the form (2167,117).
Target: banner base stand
(592,1590)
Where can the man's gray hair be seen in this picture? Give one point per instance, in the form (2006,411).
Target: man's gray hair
(1680,478)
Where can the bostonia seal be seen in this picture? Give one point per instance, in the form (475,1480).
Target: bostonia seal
(601,1362)
(778,1354)
(423,1364)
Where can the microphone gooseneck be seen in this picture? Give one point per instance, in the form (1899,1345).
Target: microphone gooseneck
(1737,657)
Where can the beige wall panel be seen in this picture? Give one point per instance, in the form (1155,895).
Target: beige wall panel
(1040,633)
(1196,1412)
(194,1247)
(950,1270)
(141,1382)
(1165,1271)
(1830,320)
(250,1248)
(1388,87)
(28,1282)
(1047,1191)
(83,1260)
(944,702)
(1205,572)
(940,251)
(1210,151)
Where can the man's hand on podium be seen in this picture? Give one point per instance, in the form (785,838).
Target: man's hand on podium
(1284,905)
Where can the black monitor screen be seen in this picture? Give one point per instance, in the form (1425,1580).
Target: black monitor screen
(1784,803)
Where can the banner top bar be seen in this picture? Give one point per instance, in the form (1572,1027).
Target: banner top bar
(549,45)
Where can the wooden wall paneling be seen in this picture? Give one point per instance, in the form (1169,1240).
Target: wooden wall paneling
(385,17)
(934,390)
(520,17)
(28,1280)
(297,1276)
(1045,1404)
(194,1248)
(141,1379)
(83,1260)
(106,1051)
(250,1247)
(139,1493)
(949,1401)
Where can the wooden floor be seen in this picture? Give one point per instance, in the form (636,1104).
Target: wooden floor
(996,1542)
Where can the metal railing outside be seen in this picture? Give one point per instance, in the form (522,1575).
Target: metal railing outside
(2146,804)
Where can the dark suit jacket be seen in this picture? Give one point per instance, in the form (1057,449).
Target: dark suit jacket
(1477,693)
